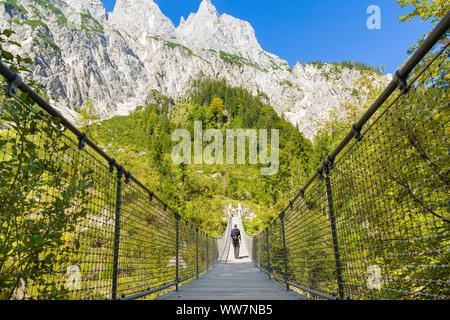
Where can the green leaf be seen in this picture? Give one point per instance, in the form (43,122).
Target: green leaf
(7,55)
(15,44)
(28,61)
(50,256)
(8,32)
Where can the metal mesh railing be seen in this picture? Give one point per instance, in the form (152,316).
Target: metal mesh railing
(374,222)
(74,224)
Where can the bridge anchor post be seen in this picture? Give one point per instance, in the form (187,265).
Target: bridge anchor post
(117,233)
(282,215)
(196,250)
(268,252)
(177,249)
(207,254)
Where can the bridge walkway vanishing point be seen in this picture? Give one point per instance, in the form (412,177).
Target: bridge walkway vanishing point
(234,279)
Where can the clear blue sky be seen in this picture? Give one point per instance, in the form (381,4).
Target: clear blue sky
(324,30)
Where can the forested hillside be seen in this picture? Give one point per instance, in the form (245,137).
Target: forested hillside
(142,143)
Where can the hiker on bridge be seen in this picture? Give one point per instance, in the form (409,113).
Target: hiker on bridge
(236,239)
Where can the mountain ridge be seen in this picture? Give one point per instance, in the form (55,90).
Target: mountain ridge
(118,58)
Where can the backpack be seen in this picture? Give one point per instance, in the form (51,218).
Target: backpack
(235,234)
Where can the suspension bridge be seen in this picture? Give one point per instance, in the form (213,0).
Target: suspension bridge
(372,223)
(234,279)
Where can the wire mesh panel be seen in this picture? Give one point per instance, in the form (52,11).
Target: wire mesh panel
(57,204)
(393,227)
(92,239)
(187,265)
(75,226)
(311,256)
(375,222)
(146,244)
(277,254)
(223,244)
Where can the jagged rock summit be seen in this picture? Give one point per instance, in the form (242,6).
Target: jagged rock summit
(138,18)
(119,59)
(208,30)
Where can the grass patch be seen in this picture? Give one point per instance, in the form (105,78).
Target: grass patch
(174,45)
(238,60)
(37,13)
(317,64)
(62,19)
(287,83)
(12,4)
(32,23)
(50,42)
(273,63)
(89,23)
(48,5)
(352,65)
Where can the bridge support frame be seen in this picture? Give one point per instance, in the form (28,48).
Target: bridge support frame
(282,215)
(260,255)
(177,249)
(268,252)
(196,251)
(334,231)
(207,254)
(117,234)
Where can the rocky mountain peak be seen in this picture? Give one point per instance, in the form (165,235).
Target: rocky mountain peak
(135,17)
(206,29)
(207,8)
(120,61)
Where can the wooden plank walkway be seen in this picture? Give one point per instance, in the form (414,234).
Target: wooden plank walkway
(234,279)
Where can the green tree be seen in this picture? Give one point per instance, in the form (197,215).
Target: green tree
(425,9)
(88,115)
(42,197)
(14,61)
(434,11)
(215,112)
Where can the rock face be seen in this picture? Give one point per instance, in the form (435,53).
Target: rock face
(80,52)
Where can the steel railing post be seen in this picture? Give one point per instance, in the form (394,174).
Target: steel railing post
(334,233)
(196,250)
(117,233)
(268,252)
(207,254)
(260,254)
(177,249)
(282,215)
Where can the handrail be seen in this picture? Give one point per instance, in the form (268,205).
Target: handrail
(12,76)
(178,230)
(401,75)
(145,293)
(15,82)
(370,221)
